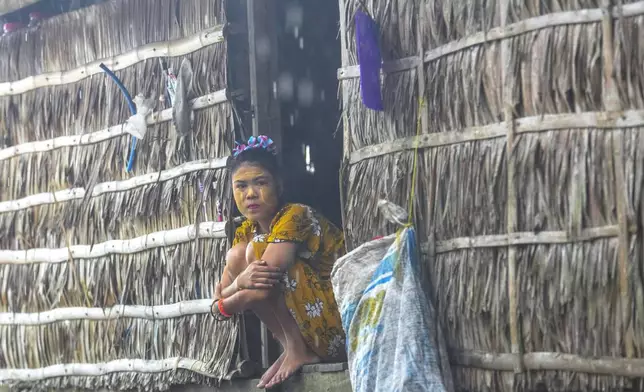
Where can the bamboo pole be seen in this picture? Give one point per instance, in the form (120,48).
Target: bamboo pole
(346,133)
(608,121)
(175,48)
(551,361)
(135,245)
(179,309)
(529,238)
(508,83)
(112,186)
(513,239)
(612,102)
(86,139)
(102,369)
(499,33)
(541,361)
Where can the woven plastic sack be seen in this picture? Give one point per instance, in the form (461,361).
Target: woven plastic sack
(387,318)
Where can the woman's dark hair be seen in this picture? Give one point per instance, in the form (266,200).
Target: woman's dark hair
(255,156)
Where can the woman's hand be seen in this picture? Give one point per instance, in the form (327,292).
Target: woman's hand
(218,294)
(259,275)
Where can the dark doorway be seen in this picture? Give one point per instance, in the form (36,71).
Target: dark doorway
(311,148)
(309,55)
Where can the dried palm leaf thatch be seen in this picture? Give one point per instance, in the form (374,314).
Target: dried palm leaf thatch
(83,166)
(96,102)
(70,40)
(577,282)
(121,381)
(155,277)
(160,206)
(197,337)
(371,127)
(397,19)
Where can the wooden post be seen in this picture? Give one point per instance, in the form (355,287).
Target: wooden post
(346,134)
(263,64)
(612,103)
(262,59)
(508,83)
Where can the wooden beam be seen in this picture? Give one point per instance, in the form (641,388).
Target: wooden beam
(9,6)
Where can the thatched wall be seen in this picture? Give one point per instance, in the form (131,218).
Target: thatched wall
(536,263)
(161,195)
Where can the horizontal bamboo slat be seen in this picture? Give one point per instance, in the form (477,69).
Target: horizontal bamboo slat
(101,369)
(86,139)
(551,361)
(546,123)
(134,245)
(179,47)
(498,33)
(179,309)
(112,186)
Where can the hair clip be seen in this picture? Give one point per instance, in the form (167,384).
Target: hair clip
(261,141)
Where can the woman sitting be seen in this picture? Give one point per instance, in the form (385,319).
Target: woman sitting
(279,266)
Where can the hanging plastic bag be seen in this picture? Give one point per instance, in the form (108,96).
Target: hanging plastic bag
(137,125)
(389,323)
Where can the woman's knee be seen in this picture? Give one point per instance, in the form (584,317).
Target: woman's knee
(236,258)
(250,253)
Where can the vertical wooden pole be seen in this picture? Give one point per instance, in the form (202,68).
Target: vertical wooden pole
(346,134)
(612,103)
(263,66)
(508,83)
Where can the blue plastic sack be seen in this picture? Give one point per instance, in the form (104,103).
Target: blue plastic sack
(387,318)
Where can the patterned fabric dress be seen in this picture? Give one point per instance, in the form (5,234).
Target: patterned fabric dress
(307,287)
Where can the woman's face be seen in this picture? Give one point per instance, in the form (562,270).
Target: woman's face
(256,192)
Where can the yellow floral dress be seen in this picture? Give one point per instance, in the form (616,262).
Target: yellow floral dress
(307,285)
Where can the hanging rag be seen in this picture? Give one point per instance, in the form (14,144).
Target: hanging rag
(181,109)
(182,114)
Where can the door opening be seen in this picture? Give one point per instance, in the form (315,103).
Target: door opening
(307,88)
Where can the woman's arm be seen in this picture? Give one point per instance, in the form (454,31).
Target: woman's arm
(228,289)
(279,255)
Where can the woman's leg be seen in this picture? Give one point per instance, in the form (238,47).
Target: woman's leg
(274,313)
(297,352)
(238,258)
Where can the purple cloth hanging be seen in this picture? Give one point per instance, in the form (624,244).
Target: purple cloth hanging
(370,60)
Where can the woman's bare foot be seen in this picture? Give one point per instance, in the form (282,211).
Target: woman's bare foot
(293,361)
(266,377)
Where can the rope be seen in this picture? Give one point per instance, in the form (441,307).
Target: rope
(414,175)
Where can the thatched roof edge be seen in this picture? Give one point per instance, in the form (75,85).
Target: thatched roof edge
(129,246)
(159,312)
(112,186)
(101,369)
(179,47)
(499,33)
(85,139)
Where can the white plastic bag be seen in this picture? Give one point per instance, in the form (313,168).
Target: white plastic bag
(389,323)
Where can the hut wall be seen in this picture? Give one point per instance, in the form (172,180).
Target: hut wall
(529,185)
(80,200)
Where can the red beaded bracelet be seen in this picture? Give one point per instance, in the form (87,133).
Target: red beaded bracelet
(220,306)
